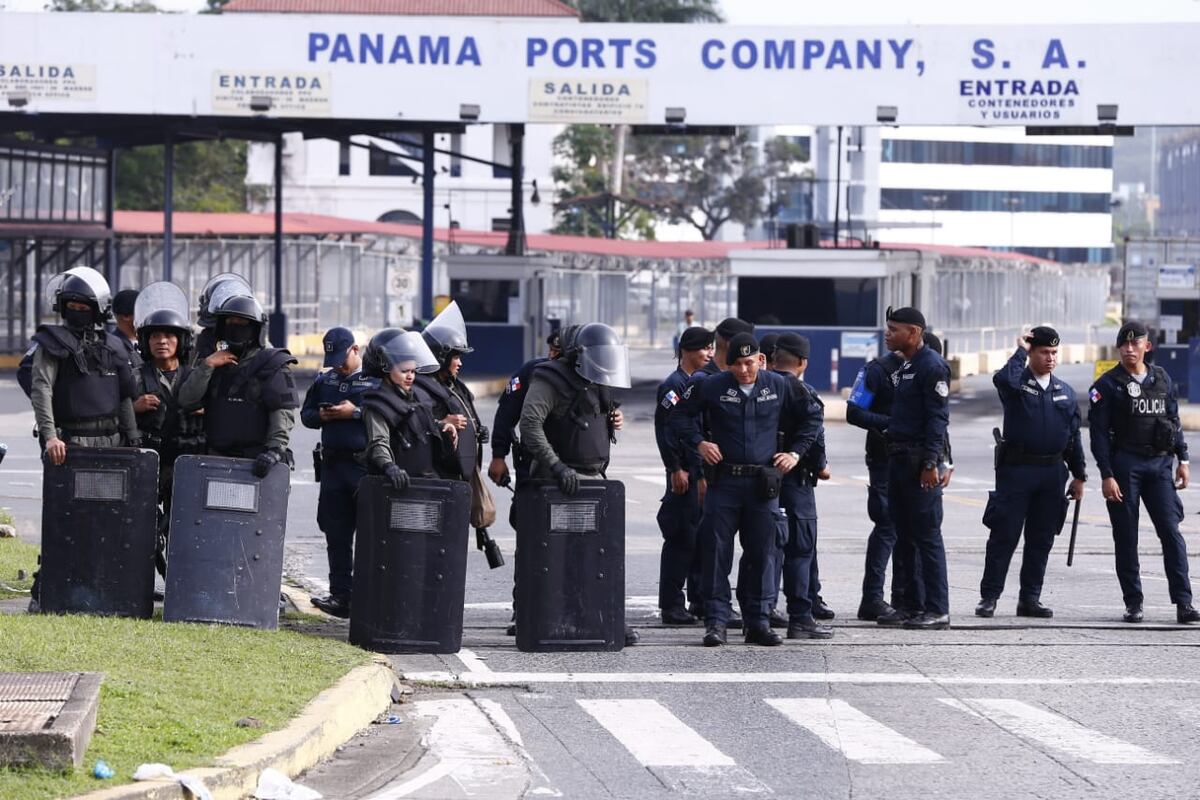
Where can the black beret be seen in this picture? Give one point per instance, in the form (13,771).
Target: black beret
(1042,336)
(695,339)
(742,345)
(932,342)
(793,343)
(732,326)
(555,339)
(123,301)
(906,316)
(767,344)
(1131,330)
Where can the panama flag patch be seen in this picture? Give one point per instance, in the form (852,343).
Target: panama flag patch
(515,384)
(670,399)
(1094,394)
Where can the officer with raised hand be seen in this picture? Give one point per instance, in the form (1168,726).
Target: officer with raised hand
(245,388)
(801,584)
(333,405)
(680,510)
(746,407)
(216,291)
(1136,437)
(870,407)
(1040,444)
(916,437)
(81,381)
(508,417)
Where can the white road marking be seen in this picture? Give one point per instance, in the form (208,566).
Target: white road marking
(540,785)
(640,601)
(653,735)
(863,678)
(472,662)
(1057,732)
(859,737)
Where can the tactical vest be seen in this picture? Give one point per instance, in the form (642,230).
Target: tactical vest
(459,401)
(88,386)
(1140,423)
(168,429)
(415,438)
(240,399)
(581,437)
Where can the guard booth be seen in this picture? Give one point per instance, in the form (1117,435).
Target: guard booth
(501,298)
(1162,288)
(835,297)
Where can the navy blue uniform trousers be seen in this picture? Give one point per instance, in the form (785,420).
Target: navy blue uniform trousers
(679,565)
(1148,480)
(732,506)
(337,516)
(917,515)
(1030,497)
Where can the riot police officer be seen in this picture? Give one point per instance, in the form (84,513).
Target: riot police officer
(403,439)
(870,407)
(165,336)
(333,404)
(1136,436)
(570,419)
(245,388)
(1040,444)
(508,417)
(746,407)
(81,380)
(801,582)
(216,291)
(680,509)
(916,437)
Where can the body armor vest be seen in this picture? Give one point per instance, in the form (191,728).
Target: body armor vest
(168,429)
(90,374)
(455,399)
(1140,423)
(241,397)
(415,438)
(581,437)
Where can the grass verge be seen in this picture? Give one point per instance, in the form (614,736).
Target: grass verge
(16,555)
(172,693)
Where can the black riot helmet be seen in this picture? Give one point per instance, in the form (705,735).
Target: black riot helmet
(393,347)
(447,334)
(567,340)
(600,356)
(162,306)
(214,294)
(83,285)
(240,338)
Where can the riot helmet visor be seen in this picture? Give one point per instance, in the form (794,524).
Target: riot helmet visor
(158,304)
(449,330)
(605,364)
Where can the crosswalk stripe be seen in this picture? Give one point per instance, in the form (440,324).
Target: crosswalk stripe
(1057,732)
(857,736)
(653,735)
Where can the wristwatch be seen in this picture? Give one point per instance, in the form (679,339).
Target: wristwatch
(795,455)
(929,465)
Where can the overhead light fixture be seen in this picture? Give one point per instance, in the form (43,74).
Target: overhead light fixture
(1106,112)
(260,103)
(886,114)
(18,98)
(676,115)
(468,112)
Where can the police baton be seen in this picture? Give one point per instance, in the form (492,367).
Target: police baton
(1074,530)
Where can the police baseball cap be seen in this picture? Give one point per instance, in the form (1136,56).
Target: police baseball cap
(906,316)
(742,345)
(1132,330)
(124,302)
(1042,336)
(695,339)
(732,326)
(793,343)
(337,343)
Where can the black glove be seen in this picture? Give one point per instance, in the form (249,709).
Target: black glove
(568,479)
(397,476)
(483,435)
(265,460)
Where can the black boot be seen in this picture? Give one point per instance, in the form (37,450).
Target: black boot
(893,618)
(714,636)
(1184,613)
(1133,613)
(820,610)
(678,617)
(1033,608)
(871,610)
(632,637)
(335,605)
(763,635)
(986,607)
(808,628)
(928,622)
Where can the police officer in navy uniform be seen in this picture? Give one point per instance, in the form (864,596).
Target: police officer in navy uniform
(680,509)
(1041,442)
(746,407)
(916,437)
(870,407)
(508,417)
(1136,438)
(245,388)
(333,404)
(123,305)
(801,583)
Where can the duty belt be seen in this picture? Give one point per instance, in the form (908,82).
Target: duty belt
(1030,459)
(740,470)
(1144,450)
(328,454)
(105,426)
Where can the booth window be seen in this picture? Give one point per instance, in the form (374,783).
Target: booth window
(809,302)
(484,300)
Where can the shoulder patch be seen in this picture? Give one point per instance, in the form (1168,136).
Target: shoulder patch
(515,384)
(687,393)
(1094,395)
(670,399)
(942,388)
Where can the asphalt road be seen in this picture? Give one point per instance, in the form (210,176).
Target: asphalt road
(1078,706)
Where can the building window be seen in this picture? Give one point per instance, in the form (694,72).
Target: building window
(817,302)
(1015,202)
(384,163)
(1015,154)
(501,224)
(343,158)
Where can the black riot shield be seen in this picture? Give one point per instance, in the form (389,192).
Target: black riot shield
(570,581)
(98,532)
(410,566)
(225,552)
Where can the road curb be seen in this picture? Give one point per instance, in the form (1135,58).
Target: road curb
(329,721)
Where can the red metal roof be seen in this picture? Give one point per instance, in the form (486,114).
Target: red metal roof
(414,8)
(189,223)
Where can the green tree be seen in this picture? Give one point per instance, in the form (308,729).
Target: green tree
(648,10)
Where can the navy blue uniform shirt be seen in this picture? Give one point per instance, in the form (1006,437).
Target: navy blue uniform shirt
(1110,397)
(870,403)
(1039,421)
(333,387)
(921,407)
(672,449)
(508,408)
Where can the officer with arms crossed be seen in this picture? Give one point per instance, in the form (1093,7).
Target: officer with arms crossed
(246,389)
(333,405)
(1041,442)
(508,417)
(570,420)
(916,437)
(747,406)
(1136,435)
(679,513)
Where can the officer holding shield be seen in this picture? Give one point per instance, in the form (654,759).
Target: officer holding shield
(1136,438)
